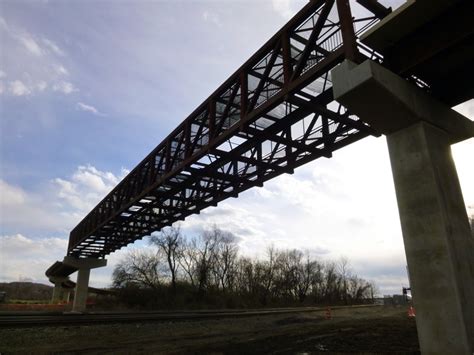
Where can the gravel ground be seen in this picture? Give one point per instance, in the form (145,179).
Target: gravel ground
(360,330)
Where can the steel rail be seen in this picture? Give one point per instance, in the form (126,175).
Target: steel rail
(27,319)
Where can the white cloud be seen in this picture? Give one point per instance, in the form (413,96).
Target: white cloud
(11,195)
(2,88)
(53,47)
(65,87)
(30,44)
(41,86)
(25,210)
(212,17)
(86,187)
(35,65)
(88,108)
(18,88)
(283,8)
(3,24)
(61,70)
(59,206)
(56,209)
(32,256)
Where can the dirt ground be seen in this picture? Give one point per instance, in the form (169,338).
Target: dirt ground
(359,330)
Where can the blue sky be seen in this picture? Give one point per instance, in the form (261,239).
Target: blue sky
(88,88)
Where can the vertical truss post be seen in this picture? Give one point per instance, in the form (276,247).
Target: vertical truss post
(288,149)
(287,65)
(243,94)
(325,130)
(347,30)
(235,173)
(260,168)
(168,155)
(212,118)
(187,139)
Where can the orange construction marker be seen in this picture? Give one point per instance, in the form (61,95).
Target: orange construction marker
(328,313)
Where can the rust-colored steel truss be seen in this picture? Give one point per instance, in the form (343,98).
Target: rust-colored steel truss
(272,115)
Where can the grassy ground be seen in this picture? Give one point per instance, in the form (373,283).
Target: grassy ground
(360,330)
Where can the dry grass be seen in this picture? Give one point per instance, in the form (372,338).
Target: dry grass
(361,330)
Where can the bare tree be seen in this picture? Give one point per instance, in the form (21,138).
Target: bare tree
(188,259)
(244,277)
(211,262)
(308,273)
(206,249)
(138,268)
(269,273)
(225,257)
(330,282)
(168,241)
(343,268)
(317,288)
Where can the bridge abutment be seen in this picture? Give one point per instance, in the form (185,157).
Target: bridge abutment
(438,242)
(84,266)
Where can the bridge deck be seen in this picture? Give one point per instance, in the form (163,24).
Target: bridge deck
(276,112)
(272,115)
(435,40)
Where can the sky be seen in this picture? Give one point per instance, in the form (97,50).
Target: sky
(88,88)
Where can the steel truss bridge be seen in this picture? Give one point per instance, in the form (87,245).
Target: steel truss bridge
(275,113)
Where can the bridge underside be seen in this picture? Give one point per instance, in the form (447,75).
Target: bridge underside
(278,112)
(274,114)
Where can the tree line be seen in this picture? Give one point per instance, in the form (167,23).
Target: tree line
(208,271)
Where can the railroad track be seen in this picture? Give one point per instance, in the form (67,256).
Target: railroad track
(28,319)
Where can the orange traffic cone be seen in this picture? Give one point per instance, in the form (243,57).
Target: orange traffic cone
(411,312)
(328,313)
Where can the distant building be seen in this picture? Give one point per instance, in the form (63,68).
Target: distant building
(396,300)
(379,301)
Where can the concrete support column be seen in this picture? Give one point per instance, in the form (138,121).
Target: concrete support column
(58,290)
(84,266)
(436,233)
(82,286)
(57,293)
(437,237)
(66,295)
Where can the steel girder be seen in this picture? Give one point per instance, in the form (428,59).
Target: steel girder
(275,113)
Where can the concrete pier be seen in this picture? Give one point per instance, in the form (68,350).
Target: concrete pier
(84,266)
(66,295)
(59,291)
(438,242)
